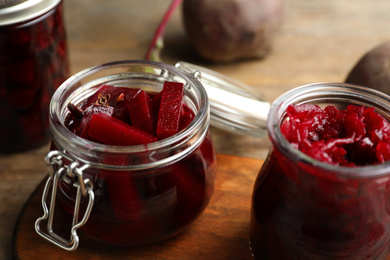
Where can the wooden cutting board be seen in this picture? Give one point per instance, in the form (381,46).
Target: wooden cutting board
(221,232)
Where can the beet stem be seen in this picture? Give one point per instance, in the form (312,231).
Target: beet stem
(157,42)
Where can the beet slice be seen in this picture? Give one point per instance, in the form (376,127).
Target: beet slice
(112,131)
(170,109)
(115,97)
(141,112)
(190,182)
(124,195)
(186,117)
(118,100)
(83,128)
(156,101)
(123,191)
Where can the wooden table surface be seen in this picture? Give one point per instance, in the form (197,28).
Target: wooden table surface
(320,41)
(220,233)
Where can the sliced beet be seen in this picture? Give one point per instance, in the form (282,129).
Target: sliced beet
(124,197)
(112,131)
(170,109)
(190,183)
(118,100)
(141,112)
(156,101)
(122,190)
(186,117)
(83,128)
(115,97)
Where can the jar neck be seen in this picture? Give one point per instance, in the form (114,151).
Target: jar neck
(323,94)
(145,75)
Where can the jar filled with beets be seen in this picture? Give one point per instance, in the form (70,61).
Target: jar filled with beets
(132,156)
(33,63)
(324,189)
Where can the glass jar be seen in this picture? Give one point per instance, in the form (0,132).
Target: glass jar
(33,63)
(306,209)
(129,195)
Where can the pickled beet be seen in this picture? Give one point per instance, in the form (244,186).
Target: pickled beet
(123,192)
(350,137)
(83,128)
(141,112)
(115,97)
(136,207)
(303,211)
(109,130)
(33,63)
(170,109)
(134,116)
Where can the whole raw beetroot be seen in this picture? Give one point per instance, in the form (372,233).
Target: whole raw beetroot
(229,30)
(373,69)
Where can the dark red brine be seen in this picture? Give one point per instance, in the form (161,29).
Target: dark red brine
(33,63)
(331,199)
(148,148)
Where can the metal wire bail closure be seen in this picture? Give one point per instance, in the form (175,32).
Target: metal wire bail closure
(84,188)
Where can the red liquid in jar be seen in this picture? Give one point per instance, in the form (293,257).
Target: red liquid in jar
(142,207)
(33,63)
(301,211)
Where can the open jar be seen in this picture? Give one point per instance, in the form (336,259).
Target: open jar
(129,195)
(306,209)
(33,63)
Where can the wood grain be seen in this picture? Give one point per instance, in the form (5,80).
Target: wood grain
(221,232)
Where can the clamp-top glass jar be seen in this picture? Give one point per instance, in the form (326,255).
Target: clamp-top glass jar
(33,63)
(129,195)
(306,209)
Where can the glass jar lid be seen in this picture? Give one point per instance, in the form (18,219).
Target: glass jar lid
(234,106)
(16,11)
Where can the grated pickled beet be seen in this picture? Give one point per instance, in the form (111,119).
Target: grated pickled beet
(302,211)
(354,136)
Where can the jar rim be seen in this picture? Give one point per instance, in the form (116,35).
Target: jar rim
(21,11)
(337,91)
(73,142)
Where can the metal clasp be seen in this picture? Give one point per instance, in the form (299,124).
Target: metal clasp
(63,172)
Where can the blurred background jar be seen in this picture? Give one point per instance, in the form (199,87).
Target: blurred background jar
(33,63)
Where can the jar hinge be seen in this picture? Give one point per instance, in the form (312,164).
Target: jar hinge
(59,171)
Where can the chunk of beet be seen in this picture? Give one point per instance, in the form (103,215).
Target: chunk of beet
(123,192)
(118,100)
(156,101)
(170,109)
(122,188)
(186,117)
(115,97)
(112,131)
(83,128)
(190,183)
(141,112)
